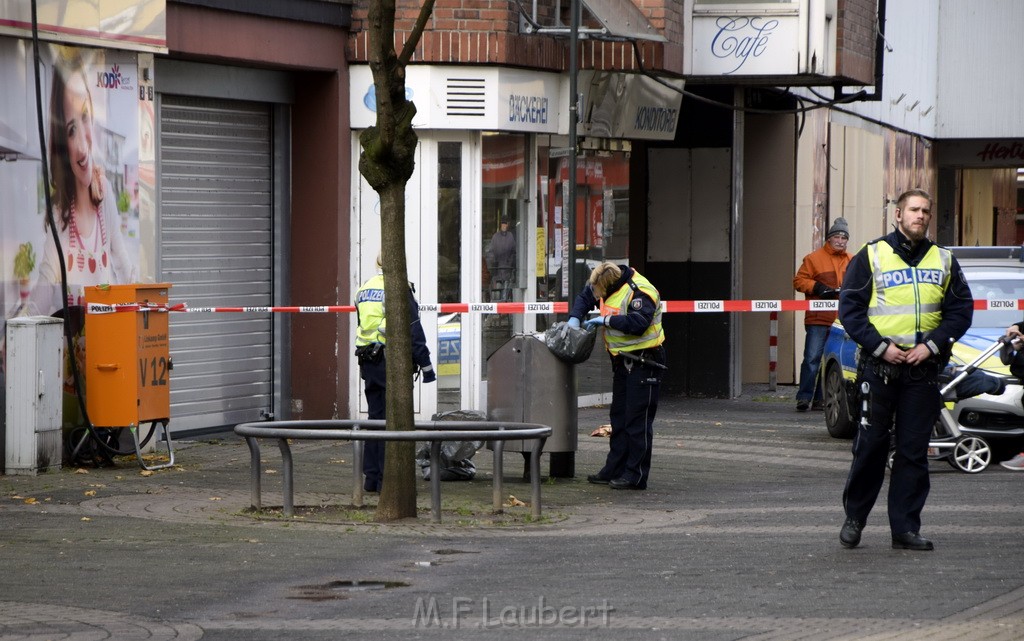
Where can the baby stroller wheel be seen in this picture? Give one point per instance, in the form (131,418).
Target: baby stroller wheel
(971,454)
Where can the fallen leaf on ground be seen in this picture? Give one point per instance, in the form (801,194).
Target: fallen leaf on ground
(81,470)
(146,473)
(86,518)
(30,501)
(214,498)
(90,492)
(603,431)
(514,502)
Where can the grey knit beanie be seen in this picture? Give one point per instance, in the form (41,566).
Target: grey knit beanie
(838,227)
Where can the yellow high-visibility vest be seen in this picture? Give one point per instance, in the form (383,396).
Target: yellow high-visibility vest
(370,303)
(618,304)
(906,302)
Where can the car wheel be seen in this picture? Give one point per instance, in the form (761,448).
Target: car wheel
(837,406)
(971,454)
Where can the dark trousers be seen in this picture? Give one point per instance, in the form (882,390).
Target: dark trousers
(912,397)
(814,347)
(634,403)
(374,377)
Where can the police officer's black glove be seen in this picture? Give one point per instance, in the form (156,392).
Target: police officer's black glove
(429,376)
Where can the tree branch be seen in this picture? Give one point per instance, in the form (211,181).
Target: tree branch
(416,33)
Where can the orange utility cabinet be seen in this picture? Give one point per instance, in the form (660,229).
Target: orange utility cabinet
(127,356)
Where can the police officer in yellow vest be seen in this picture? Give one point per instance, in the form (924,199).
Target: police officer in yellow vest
(904,301)
(370,341)
(631,317)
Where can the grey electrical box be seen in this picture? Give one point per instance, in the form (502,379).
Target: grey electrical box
(35,357)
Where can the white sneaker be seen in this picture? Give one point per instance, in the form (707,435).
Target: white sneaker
(1016,463)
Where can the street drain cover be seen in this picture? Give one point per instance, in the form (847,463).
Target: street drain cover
(335,590)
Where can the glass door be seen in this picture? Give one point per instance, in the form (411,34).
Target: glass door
(449,195)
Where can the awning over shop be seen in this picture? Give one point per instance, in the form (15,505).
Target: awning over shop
(134,25)
(629,106)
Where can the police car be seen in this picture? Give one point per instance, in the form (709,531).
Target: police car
(995,274)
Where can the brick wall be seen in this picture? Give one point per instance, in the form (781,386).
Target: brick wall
(855,41)
(487,32)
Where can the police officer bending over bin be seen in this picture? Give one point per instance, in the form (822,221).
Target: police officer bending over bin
(631,317)
(905,301)
(370,341)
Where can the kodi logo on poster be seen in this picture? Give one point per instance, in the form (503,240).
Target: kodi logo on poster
(113,79)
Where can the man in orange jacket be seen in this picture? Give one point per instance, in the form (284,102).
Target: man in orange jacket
(820,277)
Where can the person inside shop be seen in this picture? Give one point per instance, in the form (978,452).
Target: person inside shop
(819,278)
(630,315)
(905,301)
(370,348)
(501,262)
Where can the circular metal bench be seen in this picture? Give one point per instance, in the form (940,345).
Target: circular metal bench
(433,432)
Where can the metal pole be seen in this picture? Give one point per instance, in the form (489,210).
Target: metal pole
(357,471)
(736,249)
(435,481)
(255,468)
(497,490)
(286,470)
(538,445)
(569,206)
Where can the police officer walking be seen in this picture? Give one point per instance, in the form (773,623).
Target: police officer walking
(904,301)
(631,316)
(370,342)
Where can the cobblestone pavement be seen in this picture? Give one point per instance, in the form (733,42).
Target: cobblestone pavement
(737,538)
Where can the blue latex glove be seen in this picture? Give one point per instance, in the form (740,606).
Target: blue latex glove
(574,322)
(594,323)
(429,375)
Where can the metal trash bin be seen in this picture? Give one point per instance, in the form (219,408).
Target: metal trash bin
(526,383)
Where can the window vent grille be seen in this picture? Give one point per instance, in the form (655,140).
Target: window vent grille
(466,97)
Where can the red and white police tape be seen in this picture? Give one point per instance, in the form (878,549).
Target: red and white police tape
(695,306)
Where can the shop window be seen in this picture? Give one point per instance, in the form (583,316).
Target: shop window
(599,227)
(504,226)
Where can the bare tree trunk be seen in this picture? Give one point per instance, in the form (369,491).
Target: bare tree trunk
(398,495)
(387,162)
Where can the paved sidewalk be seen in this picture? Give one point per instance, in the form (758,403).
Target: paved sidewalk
(737,538)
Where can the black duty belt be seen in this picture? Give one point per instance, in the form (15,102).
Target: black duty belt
(640,358)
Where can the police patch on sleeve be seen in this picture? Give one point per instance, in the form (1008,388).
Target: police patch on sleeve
(637,304)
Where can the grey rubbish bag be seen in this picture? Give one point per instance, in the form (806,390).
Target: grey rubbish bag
(455,462)
(570,344)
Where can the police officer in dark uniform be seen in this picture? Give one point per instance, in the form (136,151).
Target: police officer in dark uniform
(370,341)
(904,301)
(631,317)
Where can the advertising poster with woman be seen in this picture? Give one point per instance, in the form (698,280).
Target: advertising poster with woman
(91,123)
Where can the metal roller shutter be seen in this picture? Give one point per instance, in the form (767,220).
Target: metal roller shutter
(216,249)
